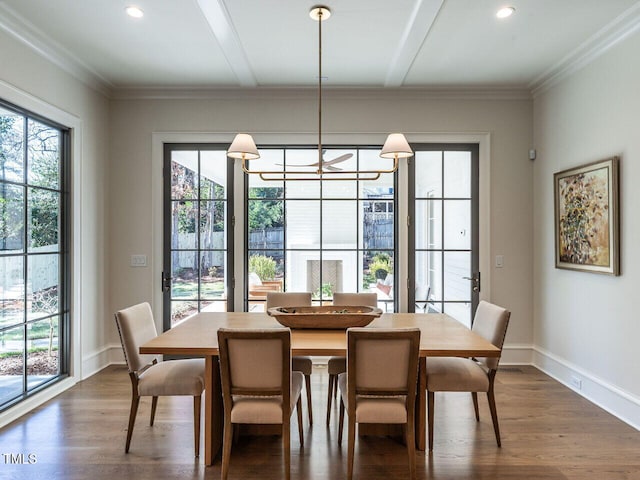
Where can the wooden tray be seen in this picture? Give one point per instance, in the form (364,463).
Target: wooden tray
(327,316)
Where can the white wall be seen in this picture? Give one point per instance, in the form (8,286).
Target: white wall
(135,226)
(587,325)
(35,83)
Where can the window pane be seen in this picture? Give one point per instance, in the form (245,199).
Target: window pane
(457,219)
(303,270)
(459,311)
(43,280)
(302,189)
(184,281)
(457,174)
(184,179)
(457,265)
(428,174)
(183,224)
(11,363)
(340,271)
(11,218)
(377,224)
(11,146)
(270,160)
(303,224)
(212,275)
(266,224)
(182,310)
(44,155)
(212,223)
(377,270)
(381,188)
(11,290)
(213,174)
(42,356)
(339,224)
(428,224)
(44,217)
(268,267)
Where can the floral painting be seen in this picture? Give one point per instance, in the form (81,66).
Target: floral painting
(586,205)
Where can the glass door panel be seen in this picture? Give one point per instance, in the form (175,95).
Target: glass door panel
(197,223)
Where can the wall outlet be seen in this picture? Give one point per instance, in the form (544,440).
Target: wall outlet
(576,382)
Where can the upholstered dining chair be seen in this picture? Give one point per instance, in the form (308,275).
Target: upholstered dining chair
(470,374)
(379,385)
(152,378)
(258,386)
(338,365)
(298,364)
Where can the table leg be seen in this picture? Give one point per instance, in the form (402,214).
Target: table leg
(421,405)
(213,410)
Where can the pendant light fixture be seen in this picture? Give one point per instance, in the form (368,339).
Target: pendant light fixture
(395,147)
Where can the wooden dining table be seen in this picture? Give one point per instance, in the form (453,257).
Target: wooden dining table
(441,336)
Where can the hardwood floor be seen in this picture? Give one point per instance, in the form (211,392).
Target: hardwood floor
(548,432)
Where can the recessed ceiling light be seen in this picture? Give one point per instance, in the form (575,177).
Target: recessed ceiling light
(505,12)
(135,12)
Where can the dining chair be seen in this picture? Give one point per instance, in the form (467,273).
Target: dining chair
(379,385)
(449,374)
(258,385)
(298,364)
(338,365)
(152,378)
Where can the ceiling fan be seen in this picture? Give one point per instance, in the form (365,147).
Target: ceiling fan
(326,164)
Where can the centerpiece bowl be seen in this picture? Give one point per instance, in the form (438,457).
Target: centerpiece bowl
(326,316)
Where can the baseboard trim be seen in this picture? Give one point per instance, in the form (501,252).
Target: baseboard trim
(598,391)
(516,354)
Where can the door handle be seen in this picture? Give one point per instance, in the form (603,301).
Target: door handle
(476,282)
(165,282)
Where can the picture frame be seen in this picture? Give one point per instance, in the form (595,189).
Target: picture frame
(587,217)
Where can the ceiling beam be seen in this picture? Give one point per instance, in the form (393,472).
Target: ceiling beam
(420,21)
(217,15)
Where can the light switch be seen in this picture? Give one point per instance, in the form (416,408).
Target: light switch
(138,260)
(499,261)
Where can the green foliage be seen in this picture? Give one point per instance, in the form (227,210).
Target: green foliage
(265,213)
(380,265)
(326,290)
(263,266)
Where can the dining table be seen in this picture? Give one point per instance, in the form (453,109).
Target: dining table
(440,336)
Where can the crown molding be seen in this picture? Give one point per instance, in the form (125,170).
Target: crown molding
(27,33)
(606,38)
(342,93)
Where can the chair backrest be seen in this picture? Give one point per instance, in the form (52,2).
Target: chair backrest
(256,363)
(136,327)
(355,299)
(288,299)
(490,322)
(382,362)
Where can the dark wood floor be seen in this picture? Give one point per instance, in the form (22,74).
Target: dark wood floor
(548,432)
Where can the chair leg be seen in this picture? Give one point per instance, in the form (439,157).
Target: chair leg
(430,408)
(340,422)
(307,381)
(492,407)
(135,401)
(226,448)
(474,396)
(411,446)
(154,405)
(330,397)
(286,445)
(197,401)
(299,410)
(351,446)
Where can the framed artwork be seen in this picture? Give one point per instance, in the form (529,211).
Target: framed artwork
(587,217)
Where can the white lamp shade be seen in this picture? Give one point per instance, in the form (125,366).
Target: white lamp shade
(396,146)
(243,146)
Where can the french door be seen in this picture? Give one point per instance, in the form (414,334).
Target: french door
(443,230)
(198,231)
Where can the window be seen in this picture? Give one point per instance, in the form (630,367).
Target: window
(320,236)
(34,256)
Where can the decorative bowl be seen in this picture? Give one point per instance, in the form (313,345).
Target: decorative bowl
(325,316)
